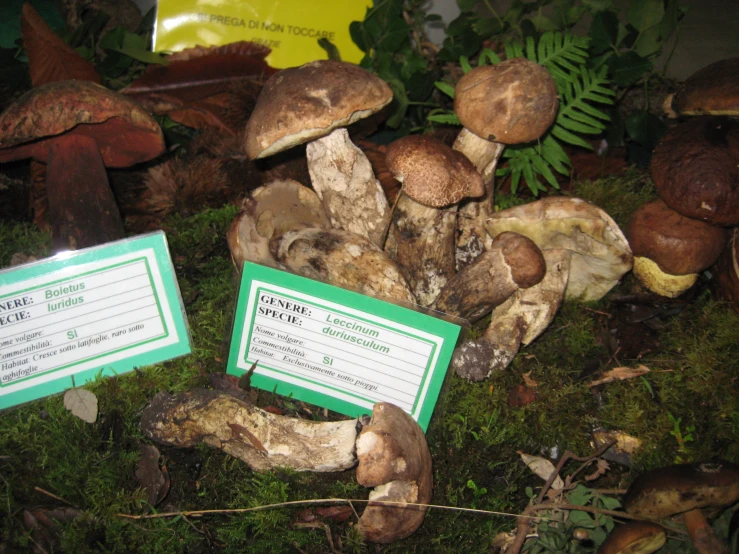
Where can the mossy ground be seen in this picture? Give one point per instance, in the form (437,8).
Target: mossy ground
(474,435)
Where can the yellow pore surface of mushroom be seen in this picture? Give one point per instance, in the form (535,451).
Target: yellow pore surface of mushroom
(651,276)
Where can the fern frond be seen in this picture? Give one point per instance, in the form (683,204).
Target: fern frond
(576,112)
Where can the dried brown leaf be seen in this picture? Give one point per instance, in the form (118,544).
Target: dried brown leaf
(49,57)
(521,395)
(543,468)
(82,403)
(528,380)
(242,432)
(601,469)
(620,374)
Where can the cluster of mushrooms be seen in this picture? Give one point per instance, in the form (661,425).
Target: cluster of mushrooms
(442,246)
(695,169)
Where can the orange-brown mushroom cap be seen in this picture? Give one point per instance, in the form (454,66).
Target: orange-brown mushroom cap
(512,102)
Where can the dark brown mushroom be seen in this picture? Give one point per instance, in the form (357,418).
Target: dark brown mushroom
(713,90)
(78,129)
(695,168)
(634,537)
(686,489)
(670,250)
(394,459)
(727,271)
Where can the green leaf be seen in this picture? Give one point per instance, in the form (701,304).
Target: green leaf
(581,519)
(597,5)
(488,56)
(400,102)
(446,88)
(609,503)
(645,128)
(628,68)
(649,42)
(644,14)
(357,34)
(603,32)
(580,495)
(486,28)
(466,5)
(396,32)
(464,63)
(446,119)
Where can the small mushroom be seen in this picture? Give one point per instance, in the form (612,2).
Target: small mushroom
(670,250)
(343,259)
(262,439)
(586,255)
(713,90)
(513,262)
(311,104)
(79,128)
(686,489)
(695,168)
(268,212)
(394,459)
(513,102)
(634,537)
(422,233)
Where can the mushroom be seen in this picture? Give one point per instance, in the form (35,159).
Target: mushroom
(343,259)
(268,212)
(394,459)
(422,241)
(513,102)
(314,102)
(262,439)
(686,489)
(712,90)
(670,250)
(585,253)
(634,537)
(727,271)
(695,168)
(79,128)
(513,262)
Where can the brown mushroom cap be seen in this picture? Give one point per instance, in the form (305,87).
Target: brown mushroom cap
(512,102)
(125,133)
(695,168)
(431,172)
(677,244)
(299,104)
(634,537)
(394,458)
(712,90)
(599,252)
(675,489)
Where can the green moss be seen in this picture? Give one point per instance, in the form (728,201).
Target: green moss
(474,436)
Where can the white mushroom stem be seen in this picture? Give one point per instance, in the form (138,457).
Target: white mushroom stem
(421,242)
(518,320)
(262,439)
(342,177)
(472,240)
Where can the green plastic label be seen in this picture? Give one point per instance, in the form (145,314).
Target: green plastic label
(335,348)
(106,309)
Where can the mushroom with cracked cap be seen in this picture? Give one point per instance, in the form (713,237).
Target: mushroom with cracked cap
(713,90)
(79,128)
(513,102)
(312,104)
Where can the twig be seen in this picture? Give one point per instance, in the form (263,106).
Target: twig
(524,521)
(55,497)
(197,513)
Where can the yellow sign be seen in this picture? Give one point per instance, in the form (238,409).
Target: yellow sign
(291,28)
